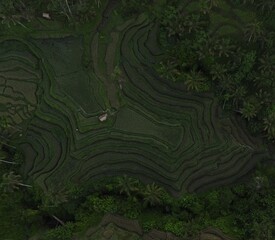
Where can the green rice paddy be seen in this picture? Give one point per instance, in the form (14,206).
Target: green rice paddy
(56,88)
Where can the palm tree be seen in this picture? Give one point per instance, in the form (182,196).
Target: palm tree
(98,3)
(269,123)
(9,14)
(213,3)
(61,6)
(226,84)
(6,134)
(248,110)
(239,94)
(223,47)
(152,195)
(264,96)
(192,23)
(218,71)
(207,5)
(3,157)
(267,64)
(264,81)
(254,31)
(204,7)
(7,9)
(169,69)
(266,5)
(262,230)
(52,198)
(195,81)
(55,196)
(8,162)
(12,182)
(127,185)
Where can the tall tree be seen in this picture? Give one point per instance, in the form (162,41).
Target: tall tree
(267,64)
(224,47)
(269,123)
(254,31)
(218,71)
(249,110)
(192,23)
(194,80)
(127,185)
(62,7)
(4,156)
(54,196)
(11,182)
(239,94)
(152,195)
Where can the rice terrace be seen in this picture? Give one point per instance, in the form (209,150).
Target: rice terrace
(104,97)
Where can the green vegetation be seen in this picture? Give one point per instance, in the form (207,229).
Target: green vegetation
(238,66)
(244,211)
(16,12)
(159,111)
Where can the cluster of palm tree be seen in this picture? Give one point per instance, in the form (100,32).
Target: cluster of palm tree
(151,194)
(241,71)
(177,23)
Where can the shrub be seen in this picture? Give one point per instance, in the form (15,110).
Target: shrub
(192,203)
(149,225)
(60,233)
(131,209)
(103,205)
(174,226)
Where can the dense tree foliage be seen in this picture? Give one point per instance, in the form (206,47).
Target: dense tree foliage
(240,69)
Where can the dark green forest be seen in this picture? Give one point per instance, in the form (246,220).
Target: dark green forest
(235,64)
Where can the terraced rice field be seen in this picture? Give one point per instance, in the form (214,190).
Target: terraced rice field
(155,129)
